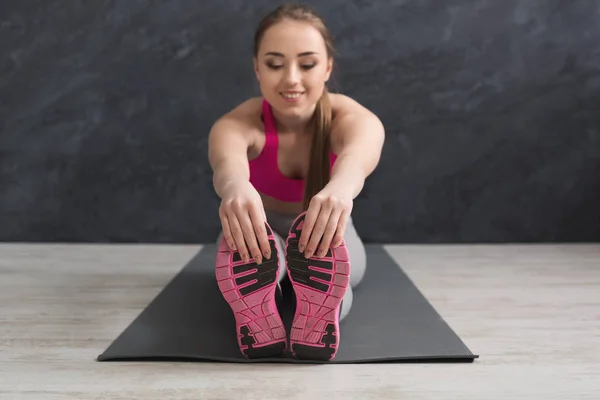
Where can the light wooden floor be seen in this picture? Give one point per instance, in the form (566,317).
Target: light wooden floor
(531,311)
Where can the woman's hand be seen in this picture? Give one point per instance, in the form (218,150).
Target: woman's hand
(243,220)
(326,220)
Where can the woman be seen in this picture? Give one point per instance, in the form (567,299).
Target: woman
(287,166)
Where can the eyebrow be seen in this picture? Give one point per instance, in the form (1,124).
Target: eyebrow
(306,53)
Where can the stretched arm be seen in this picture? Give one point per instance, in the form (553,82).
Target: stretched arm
(359,136)
(241,212)
(228,154)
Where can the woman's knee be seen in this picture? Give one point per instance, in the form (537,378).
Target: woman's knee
(346,303)
(357,254)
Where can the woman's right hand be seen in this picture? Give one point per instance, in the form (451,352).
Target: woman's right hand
(243,221)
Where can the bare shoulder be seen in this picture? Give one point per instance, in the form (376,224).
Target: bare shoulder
(343,105)
(244,115)
(234,133)
(241,122)
(347,115)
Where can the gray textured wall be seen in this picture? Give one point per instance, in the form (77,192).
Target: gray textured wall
(492,110)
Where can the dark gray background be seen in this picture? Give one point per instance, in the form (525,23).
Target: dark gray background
(492,110)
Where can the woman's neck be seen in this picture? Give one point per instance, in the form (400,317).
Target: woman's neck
(296,124)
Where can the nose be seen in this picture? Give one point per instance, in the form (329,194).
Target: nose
(292,76)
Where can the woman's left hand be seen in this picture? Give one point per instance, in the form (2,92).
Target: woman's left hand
(326,220)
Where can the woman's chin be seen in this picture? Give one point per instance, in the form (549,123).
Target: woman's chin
(296,108)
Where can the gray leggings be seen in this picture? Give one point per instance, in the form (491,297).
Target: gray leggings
(281,223)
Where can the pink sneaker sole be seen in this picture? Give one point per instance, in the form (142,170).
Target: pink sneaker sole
(249,289)
(320,285)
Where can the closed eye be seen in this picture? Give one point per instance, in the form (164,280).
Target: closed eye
(305,67)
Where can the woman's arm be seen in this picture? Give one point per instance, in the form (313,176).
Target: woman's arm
(241,212)
(358,137)
(228,154)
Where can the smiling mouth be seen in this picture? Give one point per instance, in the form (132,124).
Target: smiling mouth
(291,95)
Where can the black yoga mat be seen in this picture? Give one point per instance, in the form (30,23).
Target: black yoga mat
(390,320)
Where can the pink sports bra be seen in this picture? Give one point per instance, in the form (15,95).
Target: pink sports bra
(265,175)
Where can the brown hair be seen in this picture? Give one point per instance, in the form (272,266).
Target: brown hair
(318,173)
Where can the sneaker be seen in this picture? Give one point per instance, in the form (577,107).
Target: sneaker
(319,285)
(252,292)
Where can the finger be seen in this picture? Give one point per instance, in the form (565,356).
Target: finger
(341,229)
(309,221)
(227,232)
(250,236)
(260,229)
(238,236)
(330,229)
(317,232)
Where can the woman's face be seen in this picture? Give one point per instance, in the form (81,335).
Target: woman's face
(292,67)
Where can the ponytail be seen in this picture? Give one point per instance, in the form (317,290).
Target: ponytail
(319,168)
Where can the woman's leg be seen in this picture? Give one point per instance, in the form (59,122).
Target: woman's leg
(358,265)
(346,303)
(357,254)
(280,244)
(281,224)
